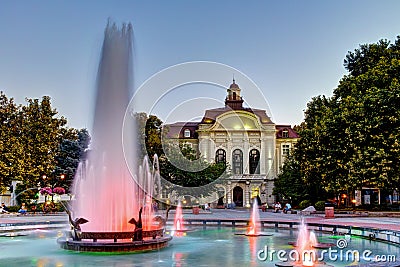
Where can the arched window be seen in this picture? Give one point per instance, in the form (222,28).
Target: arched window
(187,133)
(220,156)
(237,161)
(254,161)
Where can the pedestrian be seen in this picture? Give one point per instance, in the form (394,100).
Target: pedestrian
(23,209)
(277,207)
(3,208)
(287,208)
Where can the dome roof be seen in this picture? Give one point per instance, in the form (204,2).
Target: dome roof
(234,85)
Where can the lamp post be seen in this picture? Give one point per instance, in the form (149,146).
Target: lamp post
(52,182)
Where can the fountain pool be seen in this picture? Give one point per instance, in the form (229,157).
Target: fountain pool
(209,246)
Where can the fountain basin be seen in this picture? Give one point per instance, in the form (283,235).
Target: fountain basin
(256,234)
(295,264)
(114,241)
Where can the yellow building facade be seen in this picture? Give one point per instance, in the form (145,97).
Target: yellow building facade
(247,140)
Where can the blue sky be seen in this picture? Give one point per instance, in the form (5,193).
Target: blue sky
(293,50)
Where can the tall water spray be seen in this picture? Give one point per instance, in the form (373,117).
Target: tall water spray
(254,224)
(105,192)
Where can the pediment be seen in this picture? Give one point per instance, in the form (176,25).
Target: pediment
(235,121)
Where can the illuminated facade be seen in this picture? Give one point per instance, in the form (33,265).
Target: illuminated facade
(247,140)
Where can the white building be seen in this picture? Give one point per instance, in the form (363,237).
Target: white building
(244,137)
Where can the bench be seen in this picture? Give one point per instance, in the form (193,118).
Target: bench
(119,235)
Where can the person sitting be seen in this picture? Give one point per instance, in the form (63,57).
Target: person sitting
(3,208)
(46,207)
(207,207)
(287,208)
(264,207)
(23,209)
(277,207)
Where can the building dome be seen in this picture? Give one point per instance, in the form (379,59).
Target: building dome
(234,85)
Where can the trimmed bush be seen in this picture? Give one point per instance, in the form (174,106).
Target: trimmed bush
(320,205)
(13,208)
(304,204)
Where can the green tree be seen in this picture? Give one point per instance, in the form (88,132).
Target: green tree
(185,168)
(369,98)
(10,145)
(153,136)
(181,165)
(289,183)
(72,150)
(352,138)
(40,137)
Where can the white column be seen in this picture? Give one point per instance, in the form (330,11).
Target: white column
(263,155)
(229,193)
(246,169)
(270,149)
(247,194)
(229,151)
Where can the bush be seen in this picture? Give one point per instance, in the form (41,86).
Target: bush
(13,208)
(304,204)
(320,205)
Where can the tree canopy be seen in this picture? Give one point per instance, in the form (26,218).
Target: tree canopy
(35,143)
(351,139)
(179,163)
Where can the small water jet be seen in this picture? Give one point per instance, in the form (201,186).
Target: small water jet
(178,220)
(254,225)
(306,247)
(179,223)
(109,203)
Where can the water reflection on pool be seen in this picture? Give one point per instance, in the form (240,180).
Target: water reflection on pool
(209,246)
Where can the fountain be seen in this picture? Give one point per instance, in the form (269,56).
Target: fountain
(254,225)
(306,247)
(109,204)
(178,220)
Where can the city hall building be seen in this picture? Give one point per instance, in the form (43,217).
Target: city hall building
(247,140)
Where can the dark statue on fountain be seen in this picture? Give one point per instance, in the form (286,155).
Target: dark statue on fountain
(138,232)
(162,222)
(76,225)
(141,240)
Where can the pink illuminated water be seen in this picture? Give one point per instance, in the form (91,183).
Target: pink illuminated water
(105,192)
(306,241)
(254,225)
(178,220)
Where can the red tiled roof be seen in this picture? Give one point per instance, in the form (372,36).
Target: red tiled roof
(291,133)
(177,129)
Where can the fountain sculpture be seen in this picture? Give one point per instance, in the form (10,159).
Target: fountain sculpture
(109,203)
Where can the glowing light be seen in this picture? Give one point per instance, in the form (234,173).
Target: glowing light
(254,220)
(178,220)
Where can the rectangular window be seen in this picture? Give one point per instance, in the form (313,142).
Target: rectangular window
(187,133)
(285,134)
(285,150)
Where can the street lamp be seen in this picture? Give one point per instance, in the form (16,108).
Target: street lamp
(51,183)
